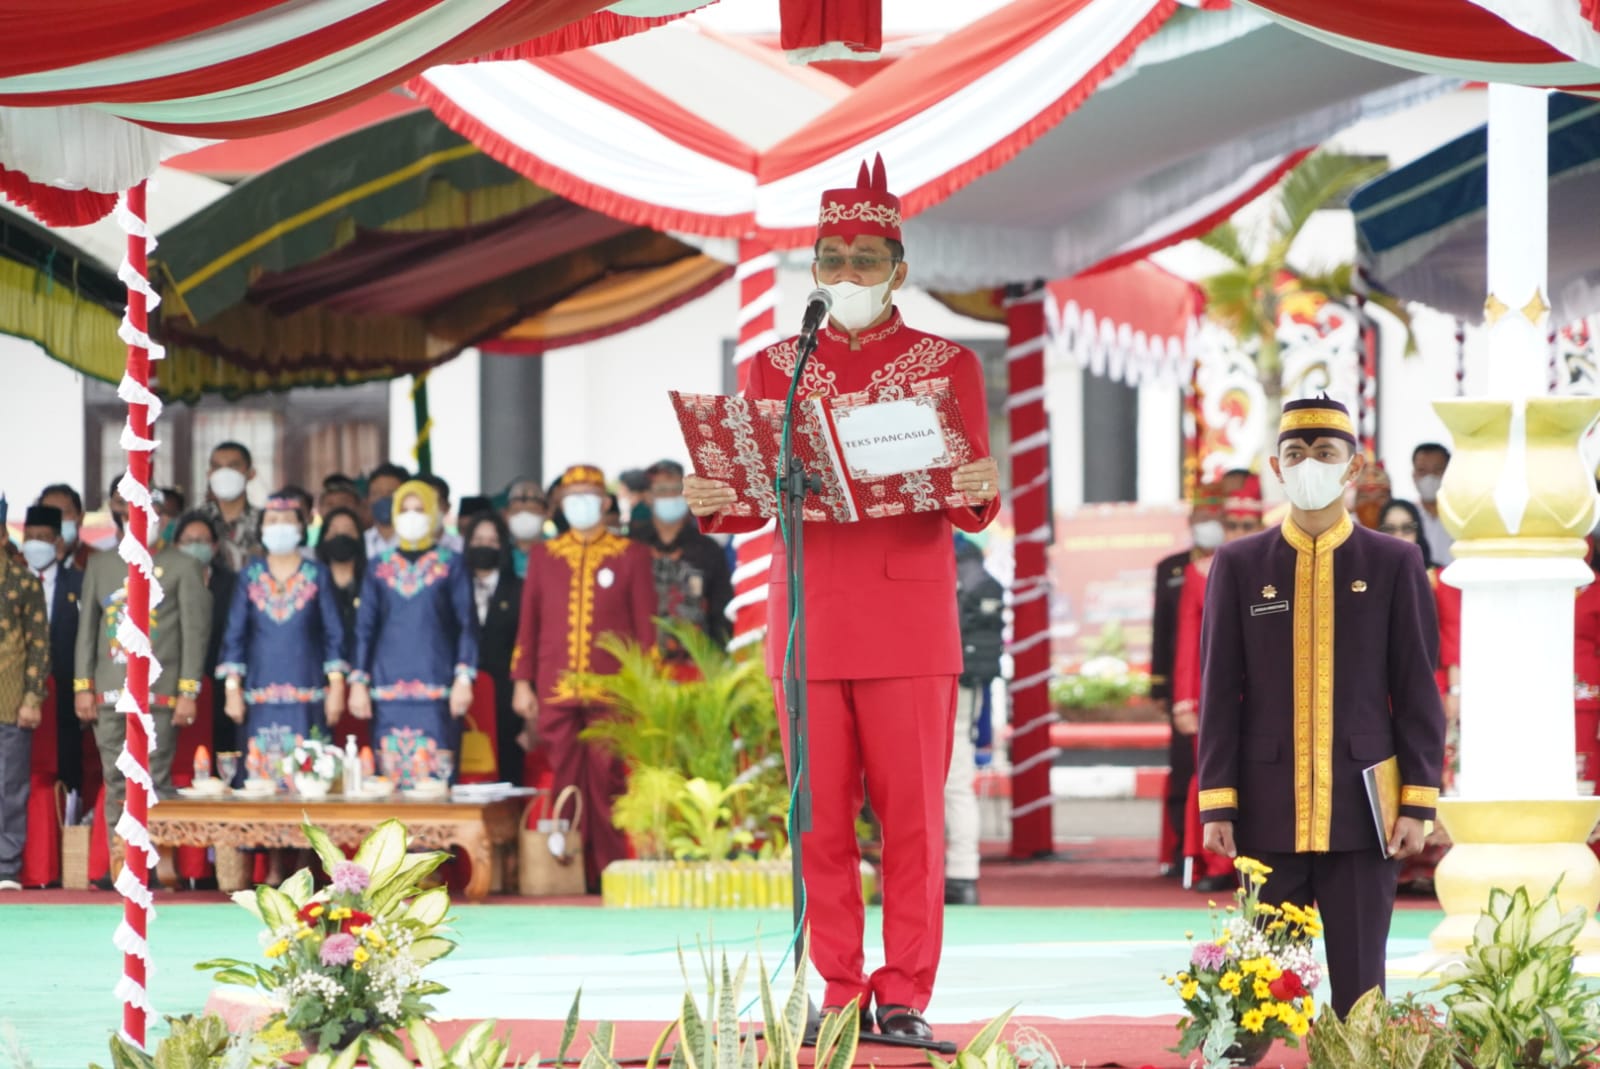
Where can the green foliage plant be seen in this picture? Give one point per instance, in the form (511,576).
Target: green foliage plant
(1516,1001)
(1095,692)
(1376,1032)
(986,1051)
(718,727)
(1248,295)
(708,1037)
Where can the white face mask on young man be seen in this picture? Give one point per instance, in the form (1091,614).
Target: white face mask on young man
(1208,534)
(1311,484)
(227,484)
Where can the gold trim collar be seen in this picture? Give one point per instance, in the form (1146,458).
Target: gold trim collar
(1332,538)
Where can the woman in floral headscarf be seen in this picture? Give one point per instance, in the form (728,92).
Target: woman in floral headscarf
(416,645)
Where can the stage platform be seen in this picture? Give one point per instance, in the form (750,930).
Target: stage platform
(1077,945)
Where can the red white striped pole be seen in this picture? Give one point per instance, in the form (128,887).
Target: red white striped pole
(757,275)
(133,631)
(1032,755)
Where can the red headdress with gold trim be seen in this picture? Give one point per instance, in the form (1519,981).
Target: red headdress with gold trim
(1246,500)
(867,209)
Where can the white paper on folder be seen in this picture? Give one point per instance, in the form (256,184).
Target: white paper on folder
(890,438)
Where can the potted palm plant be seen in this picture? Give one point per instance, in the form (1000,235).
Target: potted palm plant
(707,802)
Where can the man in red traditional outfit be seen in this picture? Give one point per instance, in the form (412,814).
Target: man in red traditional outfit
(1241,516)
(884,645)
(586,583)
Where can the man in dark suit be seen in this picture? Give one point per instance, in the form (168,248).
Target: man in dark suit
(1320,642)
(63,586)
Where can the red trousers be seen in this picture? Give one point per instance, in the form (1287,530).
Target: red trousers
(1586,725)
(889,738)
(597,774)
(1206,863)
(41,849)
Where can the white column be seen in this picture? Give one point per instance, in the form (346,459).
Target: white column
(1517,617)
(1519,221)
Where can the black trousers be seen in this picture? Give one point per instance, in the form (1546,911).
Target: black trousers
(1354,891)
(1180,763)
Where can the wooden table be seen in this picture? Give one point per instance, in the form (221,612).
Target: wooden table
(482,829)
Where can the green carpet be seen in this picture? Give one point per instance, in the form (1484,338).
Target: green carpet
(514,961)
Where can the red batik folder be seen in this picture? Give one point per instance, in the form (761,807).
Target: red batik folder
(874,453)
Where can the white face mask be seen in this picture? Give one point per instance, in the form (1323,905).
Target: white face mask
(1208,534)
(39,555)
(69,532)
(227,484)
(280,537)
(525,526)
(412,526)
(1428,487)
(855,307)
(1311,485)
(582,510)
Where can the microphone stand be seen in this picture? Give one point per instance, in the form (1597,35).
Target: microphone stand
(793,485)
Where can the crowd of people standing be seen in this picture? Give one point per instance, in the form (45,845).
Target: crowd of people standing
(357,611)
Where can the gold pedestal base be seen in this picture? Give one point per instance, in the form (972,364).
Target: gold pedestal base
(1508,845)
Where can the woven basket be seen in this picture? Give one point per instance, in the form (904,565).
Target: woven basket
(74,846)
(234,868)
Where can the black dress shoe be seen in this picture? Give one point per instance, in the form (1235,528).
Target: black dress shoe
(104,883)
(903,1021)
(960,892)
(1212,884)
(866,1017)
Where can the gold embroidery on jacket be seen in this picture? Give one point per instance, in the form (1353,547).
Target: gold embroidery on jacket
(585,560)
(1313,682)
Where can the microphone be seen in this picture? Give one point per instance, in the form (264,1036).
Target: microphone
(817,307)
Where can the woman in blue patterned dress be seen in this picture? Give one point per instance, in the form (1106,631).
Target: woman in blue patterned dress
(416,646)
(281,659)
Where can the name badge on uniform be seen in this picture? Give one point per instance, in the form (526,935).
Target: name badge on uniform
(605,578)
(1267,608)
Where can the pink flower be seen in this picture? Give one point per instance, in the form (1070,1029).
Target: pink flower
(1208,956)
(350,878)
(339,949)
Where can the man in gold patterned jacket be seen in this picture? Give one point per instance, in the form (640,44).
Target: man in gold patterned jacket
(1318,651)
(24,668)
(584,584)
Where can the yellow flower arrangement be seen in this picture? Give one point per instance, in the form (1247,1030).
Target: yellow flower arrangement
(1251,982)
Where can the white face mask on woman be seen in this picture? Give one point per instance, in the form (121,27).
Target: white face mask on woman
(413,526)
(280,537)
(1311,484)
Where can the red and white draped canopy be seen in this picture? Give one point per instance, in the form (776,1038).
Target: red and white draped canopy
(96,93)
(1036,142)
(1553,44)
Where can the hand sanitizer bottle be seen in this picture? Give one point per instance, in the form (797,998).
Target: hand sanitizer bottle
(352,767)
